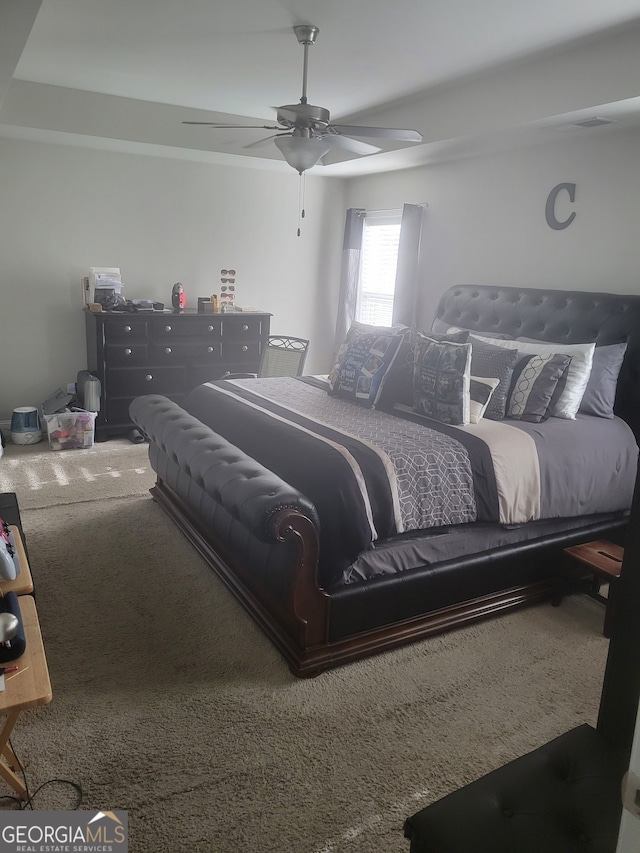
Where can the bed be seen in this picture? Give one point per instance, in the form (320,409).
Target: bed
(432,479)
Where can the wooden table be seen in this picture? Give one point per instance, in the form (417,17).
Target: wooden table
(26,688)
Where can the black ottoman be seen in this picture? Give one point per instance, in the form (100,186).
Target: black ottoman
(564,796)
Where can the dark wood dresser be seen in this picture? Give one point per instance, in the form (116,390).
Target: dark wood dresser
(166,353)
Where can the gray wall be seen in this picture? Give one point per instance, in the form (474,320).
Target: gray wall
(161,220)
(64,209)
(485,222)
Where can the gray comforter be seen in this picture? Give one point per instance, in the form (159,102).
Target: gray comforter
(374,475)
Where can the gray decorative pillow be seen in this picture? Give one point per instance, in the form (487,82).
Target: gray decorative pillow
(361,374)
(398,384)
(480,391)
(535,379)
(600,393)
(355,330)
(491,361)
(441,377)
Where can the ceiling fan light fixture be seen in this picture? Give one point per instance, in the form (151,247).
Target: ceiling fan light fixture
(302,152)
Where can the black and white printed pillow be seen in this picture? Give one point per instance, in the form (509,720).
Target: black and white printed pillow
(535,381)
(398,384)
(361,374)
(355,330)
(441,377)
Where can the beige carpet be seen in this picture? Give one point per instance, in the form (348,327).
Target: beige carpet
(42,477)
(168,701)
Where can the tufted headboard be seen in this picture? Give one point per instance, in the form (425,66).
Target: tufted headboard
(558,316)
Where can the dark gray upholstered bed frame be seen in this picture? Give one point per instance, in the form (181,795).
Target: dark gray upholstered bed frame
(259,534)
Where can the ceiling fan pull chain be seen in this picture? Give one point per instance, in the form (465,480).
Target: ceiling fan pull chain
(301,193)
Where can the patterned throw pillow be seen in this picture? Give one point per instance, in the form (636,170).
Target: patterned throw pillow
(355,330)
(360,376)
(535,380)
(480,394)
(491,361)
(398,384)
(441,378)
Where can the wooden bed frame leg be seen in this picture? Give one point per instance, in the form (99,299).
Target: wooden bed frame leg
(308,602)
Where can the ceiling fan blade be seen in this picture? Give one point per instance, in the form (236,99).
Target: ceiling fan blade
(236,126)
(265,139)
(336,140)
(382,132)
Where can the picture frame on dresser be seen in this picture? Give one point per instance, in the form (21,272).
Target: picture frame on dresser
(133,354)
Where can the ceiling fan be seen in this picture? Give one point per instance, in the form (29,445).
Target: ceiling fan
(305,132)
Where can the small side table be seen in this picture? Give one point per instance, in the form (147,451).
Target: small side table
(26,688)
(604,560)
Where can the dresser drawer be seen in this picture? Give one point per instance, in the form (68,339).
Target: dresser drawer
(241,328)
(126,354)
(170,326)
(145,380)
(127,328)
(179,352)
(236,352)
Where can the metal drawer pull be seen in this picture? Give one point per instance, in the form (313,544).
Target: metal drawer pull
(245,348)
(210,328)
(211,349)
(127,351)
(245,328)
(167,328)
(127,328)
(148,377)
(167,350)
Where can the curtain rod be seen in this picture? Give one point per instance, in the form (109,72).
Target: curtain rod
(396,209)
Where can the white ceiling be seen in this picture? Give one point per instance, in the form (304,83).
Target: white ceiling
(465,74)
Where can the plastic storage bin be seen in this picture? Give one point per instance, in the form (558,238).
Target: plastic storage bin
(71,430)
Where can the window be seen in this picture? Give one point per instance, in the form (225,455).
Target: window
(379,259)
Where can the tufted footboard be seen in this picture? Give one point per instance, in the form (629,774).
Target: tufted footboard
(257,531)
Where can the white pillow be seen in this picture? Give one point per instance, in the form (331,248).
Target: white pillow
(578,372)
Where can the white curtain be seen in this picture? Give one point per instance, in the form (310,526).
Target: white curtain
(350,273)
(405,300)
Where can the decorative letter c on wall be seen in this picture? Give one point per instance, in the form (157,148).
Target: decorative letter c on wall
(550,212)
